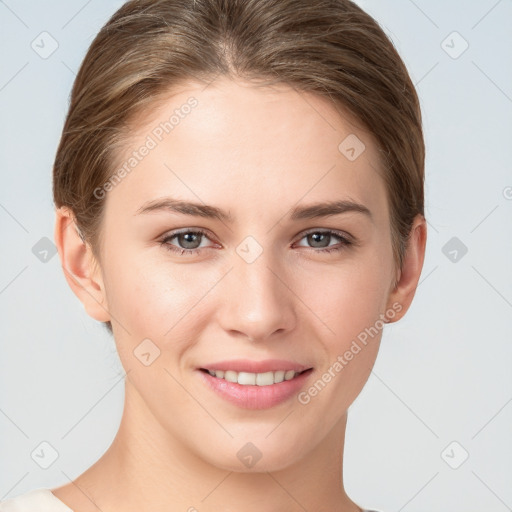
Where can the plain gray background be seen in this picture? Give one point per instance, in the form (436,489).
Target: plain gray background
(441,390)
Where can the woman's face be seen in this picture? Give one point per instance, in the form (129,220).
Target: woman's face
(260,272)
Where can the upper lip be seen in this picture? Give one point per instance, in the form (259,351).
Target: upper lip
(245,365)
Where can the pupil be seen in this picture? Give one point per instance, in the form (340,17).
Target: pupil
(317,237)
(190,238)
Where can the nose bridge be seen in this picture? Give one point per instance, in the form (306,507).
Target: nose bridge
(258,303)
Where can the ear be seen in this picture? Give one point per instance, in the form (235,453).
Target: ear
(405,287)
(80,267)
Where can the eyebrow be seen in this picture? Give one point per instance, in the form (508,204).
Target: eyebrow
(313,211)
(329,208)
(186,208)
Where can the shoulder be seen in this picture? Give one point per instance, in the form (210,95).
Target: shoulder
(37,500)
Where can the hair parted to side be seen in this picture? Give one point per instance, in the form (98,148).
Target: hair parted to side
(150,47)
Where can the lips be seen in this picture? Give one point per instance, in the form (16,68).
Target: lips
(255,373)
(255,384)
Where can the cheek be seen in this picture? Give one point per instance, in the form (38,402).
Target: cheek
(145,294)
(152,298)
(347,301)
(346,298)
(360,297)
(350,344)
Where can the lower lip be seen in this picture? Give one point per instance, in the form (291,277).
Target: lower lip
(256,397)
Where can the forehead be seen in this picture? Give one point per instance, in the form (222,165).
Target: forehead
(237,141)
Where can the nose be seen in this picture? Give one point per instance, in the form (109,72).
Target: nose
(257,299)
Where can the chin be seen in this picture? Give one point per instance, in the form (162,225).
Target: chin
(257,456)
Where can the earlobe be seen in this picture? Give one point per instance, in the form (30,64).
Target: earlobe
(404,290)
(79,266)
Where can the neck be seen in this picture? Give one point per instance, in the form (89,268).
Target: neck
(147,469)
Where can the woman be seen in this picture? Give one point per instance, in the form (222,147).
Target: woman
(239,193)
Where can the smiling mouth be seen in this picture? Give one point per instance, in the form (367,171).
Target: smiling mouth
(255,379)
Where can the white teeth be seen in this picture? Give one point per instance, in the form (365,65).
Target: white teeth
(264,379)
(252,379)
(279,376)
(247,379)
(289,375)
(230,376)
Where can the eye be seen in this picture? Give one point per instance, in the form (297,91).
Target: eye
(321,239)
(187,241)
(190,242)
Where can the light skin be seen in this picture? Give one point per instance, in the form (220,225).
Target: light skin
(256,153)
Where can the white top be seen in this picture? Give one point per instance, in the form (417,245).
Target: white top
(42,500)
(37,500)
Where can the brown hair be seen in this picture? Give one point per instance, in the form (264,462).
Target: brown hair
(328,47)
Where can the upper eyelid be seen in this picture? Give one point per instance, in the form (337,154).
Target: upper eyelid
(343,235)
(172,234)
(338,232)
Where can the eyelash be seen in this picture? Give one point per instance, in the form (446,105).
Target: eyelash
(345,242)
